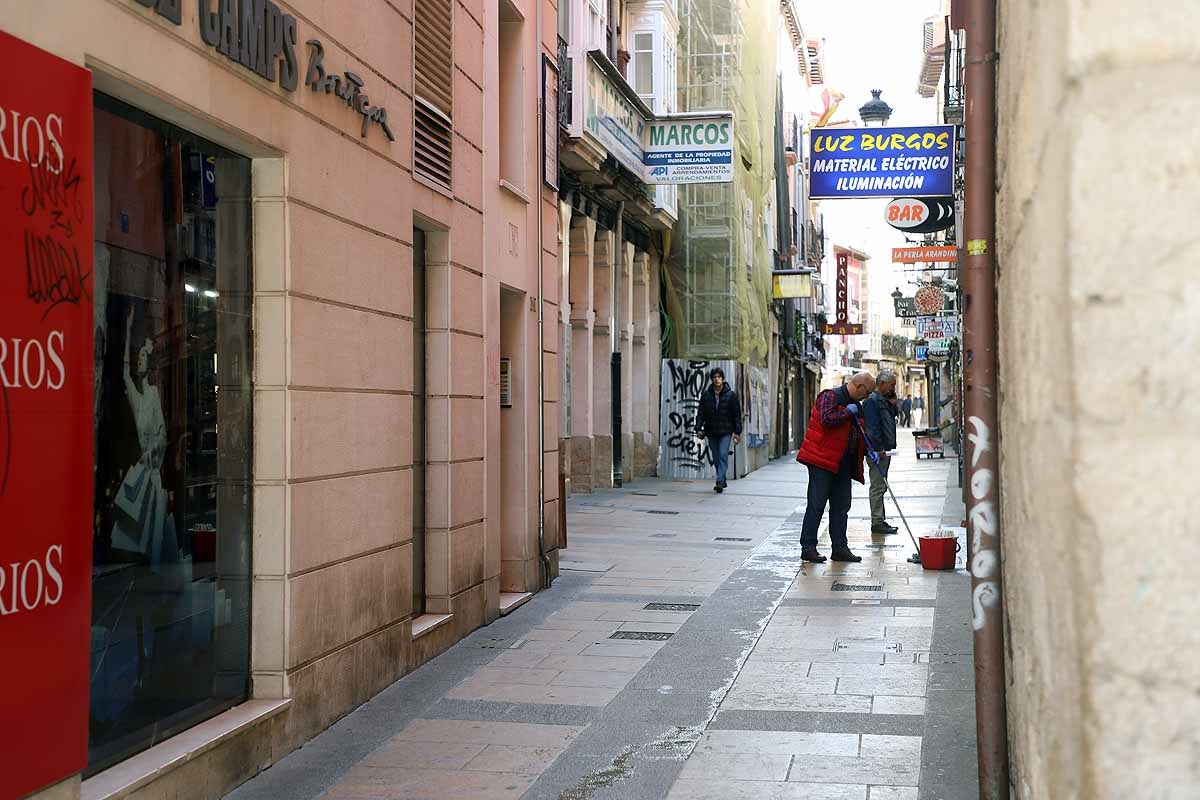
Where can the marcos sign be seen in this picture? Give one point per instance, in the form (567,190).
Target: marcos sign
(680,148)
(46,417)
(882,162)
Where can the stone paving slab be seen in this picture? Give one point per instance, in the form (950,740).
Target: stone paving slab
(776,686)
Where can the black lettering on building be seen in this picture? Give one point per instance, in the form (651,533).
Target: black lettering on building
(229,29)
(290,74)
(253,34)
(210,29)
(274,26)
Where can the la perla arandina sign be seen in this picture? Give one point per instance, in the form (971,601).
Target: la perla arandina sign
(46,416)
(258,35)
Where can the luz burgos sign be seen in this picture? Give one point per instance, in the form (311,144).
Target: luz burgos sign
(882,162)
(46,417)
(263,39)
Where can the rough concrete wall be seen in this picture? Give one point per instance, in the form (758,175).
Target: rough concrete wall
(1098,161)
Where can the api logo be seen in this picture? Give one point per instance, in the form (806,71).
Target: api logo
(658,171)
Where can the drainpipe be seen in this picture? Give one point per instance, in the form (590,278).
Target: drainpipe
(540,135)
(980,369)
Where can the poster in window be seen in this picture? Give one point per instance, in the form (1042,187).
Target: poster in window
(549,123)
(46,396)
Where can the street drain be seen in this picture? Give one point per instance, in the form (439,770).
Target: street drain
(663,535)
(857,587)
(645,494)
(671,606)
(642,636)
(866,646)
(666,513)
(730,539)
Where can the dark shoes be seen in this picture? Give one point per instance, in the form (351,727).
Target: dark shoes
(884,529)
(845,555)
(720,486)
(813,556)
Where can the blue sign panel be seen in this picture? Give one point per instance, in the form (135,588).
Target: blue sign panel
(882,162)
(922,352)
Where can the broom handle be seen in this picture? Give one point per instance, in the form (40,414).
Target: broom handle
(888,486)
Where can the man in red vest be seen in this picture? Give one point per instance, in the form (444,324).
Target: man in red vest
(833,452)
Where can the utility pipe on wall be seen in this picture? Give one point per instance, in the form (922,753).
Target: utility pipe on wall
(980,372)
(539,201)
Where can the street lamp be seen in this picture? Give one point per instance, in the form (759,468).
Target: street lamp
(875,111)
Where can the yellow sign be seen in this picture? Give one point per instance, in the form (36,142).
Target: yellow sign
(977,247)
(789,286)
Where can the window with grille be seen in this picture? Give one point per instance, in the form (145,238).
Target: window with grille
(433,84)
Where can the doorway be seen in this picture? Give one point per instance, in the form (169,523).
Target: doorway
(419,356)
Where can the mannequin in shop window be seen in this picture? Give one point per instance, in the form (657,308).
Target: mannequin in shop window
(143,521)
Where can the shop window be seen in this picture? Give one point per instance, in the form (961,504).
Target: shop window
(170,637)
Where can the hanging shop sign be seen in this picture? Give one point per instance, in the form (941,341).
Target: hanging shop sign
(672,149)
(916,255)
(929,299)
(788,285)
(921,352)
(264,40)
(920,214)
(46,426)
(842,325)
(882,162)
(905,307)
(932,328)
(549,123)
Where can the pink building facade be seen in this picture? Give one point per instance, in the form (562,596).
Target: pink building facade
(328,268)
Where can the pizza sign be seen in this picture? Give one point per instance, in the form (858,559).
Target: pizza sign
(929,300)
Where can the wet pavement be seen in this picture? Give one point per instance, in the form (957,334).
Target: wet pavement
(686,652)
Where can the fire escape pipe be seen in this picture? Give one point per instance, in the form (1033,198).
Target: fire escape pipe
(539,265)
(980,372)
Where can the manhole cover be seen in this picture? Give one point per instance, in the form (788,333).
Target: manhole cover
(858,587)
(671,606)
(866,646)
(662,535)
(497,644)
(642,636)
(667,513)
(730,539)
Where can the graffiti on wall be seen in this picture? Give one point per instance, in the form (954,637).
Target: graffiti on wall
(684,454)
(758,407)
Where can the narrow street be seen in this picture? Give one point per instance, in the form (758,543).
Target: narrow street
(686,652)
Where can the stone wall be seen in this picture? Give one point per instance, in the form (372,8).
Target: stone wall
(1097,158)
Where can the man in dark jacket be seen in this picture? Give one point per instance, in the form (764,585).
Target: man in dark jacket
(906,411)
(719,418)
(833,452)
(879,413)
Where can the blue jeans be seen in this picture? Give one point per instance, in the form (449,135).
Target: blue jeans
(719,447)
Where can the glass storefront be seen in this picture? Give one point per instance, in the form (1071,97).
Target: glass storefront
(173,399)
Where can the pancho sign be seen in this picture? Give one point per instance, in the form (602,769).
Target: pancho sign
(46,423)
(882,162)
(680,148)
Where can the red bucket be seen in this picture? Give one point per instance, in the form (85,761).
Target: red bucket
(939,552)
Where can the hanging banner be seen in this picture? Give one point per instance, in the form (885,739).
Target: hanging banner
(882,162)
(932,328)
(791,285)
(842,325)
(689,149)
(46,396)
(671,149)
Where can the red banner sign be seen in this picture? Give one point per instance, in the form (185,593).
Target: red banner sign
(46,427)
(842,325)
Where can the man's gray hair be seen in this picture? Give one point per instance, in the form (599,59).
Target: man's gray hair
(885,376)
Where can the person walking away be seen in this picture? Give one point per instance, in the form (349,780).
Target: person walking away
(719,419)
(918,410)
(906,411)
(879,413)
(833,452)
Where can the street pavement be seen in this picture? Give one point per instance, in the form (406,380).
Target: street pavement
(686,652)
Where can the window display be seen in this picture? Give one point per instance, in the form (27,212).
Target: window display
(173,398)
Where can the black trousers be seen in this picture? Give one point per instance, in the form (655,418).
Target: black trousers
(825,487)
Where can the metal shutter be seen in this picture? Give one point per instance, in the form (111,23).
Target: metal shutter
(433,83)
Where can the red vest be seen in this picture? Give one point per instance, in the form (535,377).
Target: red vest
(823,447)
